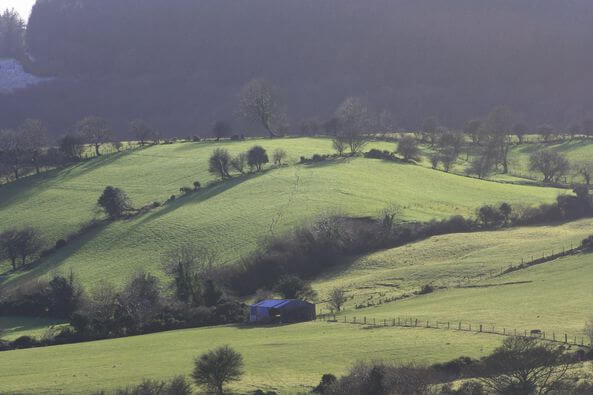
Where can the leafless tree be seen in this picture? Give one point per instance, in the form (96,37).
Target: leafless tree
(239,162)
(259,102)
(33,137)
(279,156)
(408,148)
(337,298)
(354,118)
(524,365)
(219,163)
(141,131)
(96,131)
(551,164)
(584,168)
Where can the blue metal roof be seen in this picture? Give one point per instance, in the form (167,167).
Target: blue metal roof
(275,303)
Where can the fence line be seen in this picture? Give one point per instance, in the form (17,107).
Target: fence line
(460,326)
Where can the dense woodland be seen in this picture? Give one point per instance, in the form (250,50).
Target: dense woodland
(180,64)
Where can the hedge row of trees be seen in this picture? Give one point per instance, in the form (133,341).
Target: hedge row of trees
(519,366)
(142,306)
(221,162)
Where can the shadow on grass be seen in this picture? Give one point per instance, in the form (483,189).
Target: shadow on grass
(207,193)
(24,188)
(53,262)
(245,326)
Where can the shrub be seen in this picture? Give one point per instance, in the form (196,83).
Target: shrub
(235,137)
(114,202)
(327,381)
(257,157)
(24,342)
(197,185)
(292,287)
(377,154)
(186,190)
(426,289)
(176,386)
(587,244)
(218,367)
(156,204)
(408,149)
(60,244)
(219,163)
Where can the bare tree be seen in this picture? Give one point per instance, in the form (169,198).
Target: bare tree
(188,265)
(96,131)
(222,129)
(473,128)
(259,102)
(339,144)
(279,156)
(524,366)
(498,128)
(337,298)
(239,162)
(219,163)
(551,164)
(520,130)
(72,145)
(354,118)
(428,130)
(20,244)
(407,147)
(11,151)
(33,135)
(584,168)
(141,131)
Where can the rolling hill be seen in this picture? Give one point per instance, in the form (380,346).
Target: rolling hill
(230,218)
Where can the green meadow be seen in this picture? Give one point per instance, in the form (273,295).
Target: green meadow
(288,359)
(230,218)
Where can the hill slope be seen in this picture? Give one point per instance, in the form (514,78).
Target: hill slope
(229,218)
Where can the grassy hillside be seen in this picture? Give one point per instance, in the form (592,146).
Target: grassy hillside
(448,261)
(274,357)
(554,296)
(229,218)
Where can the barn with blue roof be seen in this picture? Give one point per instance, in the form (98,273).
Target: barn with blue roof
(277,311)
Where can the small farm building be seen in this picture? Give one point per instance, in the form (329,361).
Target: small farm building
(281,311)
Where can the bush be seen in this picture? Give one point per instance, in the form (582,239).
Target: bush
(176,386)
(587,244)
(156,204)
(327,381)
(216,368)
(186,190)
(197,185)
(426,289)
(25,342)
(60,244)
(377,154)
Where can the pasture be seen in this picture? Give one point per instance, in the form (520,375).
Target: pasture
(229,218)
(274,357)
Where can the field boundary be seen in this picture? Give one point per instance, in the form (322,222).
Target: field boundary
(457,326)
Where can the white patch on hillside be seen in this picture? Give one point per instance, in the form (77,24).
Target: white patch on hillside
(13,76)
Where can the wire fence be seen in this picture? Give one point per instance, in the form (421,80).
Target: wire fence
(459,326)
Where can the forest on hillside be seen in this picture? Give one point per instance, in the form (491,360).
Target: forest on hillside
(180,64)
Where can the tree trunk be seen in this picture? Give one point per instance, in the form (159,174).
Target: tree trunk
(13,261)
(97,149)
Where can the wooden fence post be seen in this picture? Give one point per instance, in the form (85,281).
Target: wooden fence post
(480,327)
(459,325)
(565,338)
(448,325)
(365,319)
(554,336)
(416,322)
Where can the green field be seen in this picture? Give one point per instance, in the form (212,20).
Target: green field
(229,218)
(451,260)
(555,297)
(286,358)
